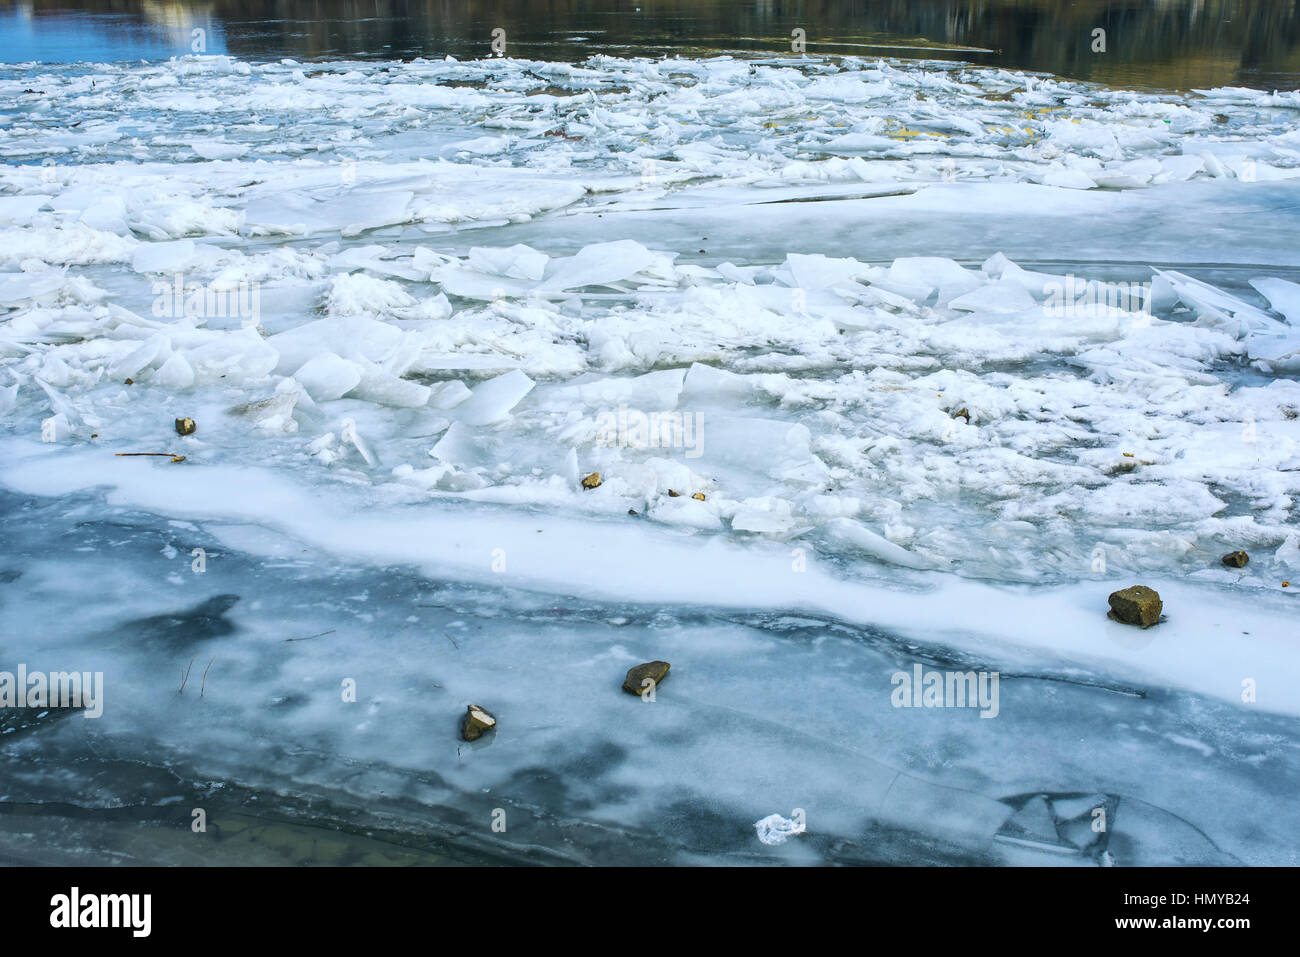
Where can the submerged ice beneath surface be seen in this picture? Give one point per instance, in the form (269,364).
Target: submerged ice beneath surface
(767,713)
(409,317)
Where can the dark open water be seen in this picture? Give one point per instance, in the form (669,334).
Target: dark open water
(1174,44)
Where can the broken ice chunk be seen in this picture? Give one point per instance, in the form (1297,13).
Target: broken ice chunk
(483,145)
(775,829)
(1280,353)
(56,428)
(55,372)
(382,387)
(745,275)
(1179,169)
(769,515)
(1282,296)
(822,272)
(1082,833)
(20,209)
(1002,296)
(356,294)
(347,336)
(472,285)
(1034,822)
(213,149)
(516,262)
(348,210)
(653,390)
(731,446)
(448,395)
(1068,807)
(1064,178)
(240,355)
(492,400)
(1133,174)
(462,447)
(703,379)
(175,373)
(19,287)
(272,415)
(685,512)
(933,271)
(600,264)
(59,403)
(998,266)
(1237,316)
(109,215)
(1288,553)
(858,143)
(351,437)
(328,376)
(135,361)
(854,533)
(166,257)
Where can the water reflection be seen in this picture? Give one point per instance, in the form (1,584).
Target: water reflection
(1149,43)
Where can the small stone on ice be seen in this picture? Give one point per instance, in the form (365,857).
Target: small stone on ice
(652,672)
(1236,559)
(1135,605)
(698,496)
(592,481)
(476,721)
(185,426)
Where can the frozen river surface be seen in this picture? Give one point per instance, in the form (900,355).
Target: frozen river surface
(884,371)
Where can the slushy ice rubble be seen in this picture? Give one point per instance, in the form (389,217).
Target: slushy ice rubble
(411,306)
